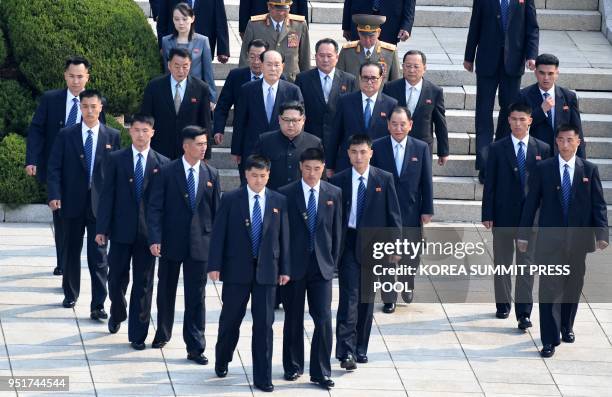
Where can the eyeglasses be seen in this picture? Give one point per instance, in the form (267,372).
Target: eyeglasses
(290,120)
(370,79)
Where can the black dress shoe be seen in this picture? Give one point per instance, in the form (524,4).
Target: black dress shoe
(291,376)
(98,314)
(113,326)
(265,388)
(325,382)
(389,308)
(547,351)
(138,346)
(57,271)
(408,296)
(221,370)
(524,323)
(68,303)
(362,359)
(158,344)
(568,336)
(198,358)
(502,314)
(348,363)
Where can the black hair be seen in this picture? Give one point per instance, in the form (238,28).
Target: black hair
(90,93)
(326,40)
(547,59)
(291,105)
(258,43)
(258,162)
(568,127)
(359,139)
(416,52)
(179,52)
(187,11)
(313,153)
(77,60)
(520,107)
(370,63)
(143,118)
(192,132)
(401,109)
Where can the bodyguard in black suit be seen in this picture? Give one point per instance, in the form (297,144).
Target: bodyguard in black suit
(182,209)
(249,8)
(315,219)
(75,179)
(510,162)
(121,218)
(173,109)
(572,222)
(503,34)
(321,88)
(399,13)
(551,104)
(424,100)
(370,201)
(409,161)
(250,254)
(371,120)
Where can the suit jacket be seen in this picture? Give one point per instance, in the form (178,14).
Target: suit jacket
(182,232)
(587,216)
(159,103)
(399,13)
(210,21)
(486,37)
(349,121)
(249,8)
(414,186)
(48,119)
(154,4)
(566,112)
(429,111)
(320,115)
(68,179)
(503,195)
(201,59)
(230,251)
(328,229)
(120,216)
(251,118)
(284,155)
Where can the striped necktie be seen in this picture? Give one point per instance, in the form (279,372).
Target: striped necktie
(312,217)
(256,227)
(520,160)
(566,189)
(361,194)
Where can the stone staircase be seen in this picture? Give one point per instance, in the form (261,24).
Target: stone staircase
(569,28)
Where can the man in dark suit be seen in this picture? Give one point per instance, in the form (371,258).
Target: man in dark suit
(505,34)
(74,181)
(231,89)
(154,6)
(372,120)
(57,109)
(175,101)
(511,161)
(121,217)
(249,8)
(321,88)
(258,106)
(254,217)
(370,201)
(315,219)
(210,20)
(551,104)
(572,222)
(182,209)
(409,161)
(399,13)
(424,100)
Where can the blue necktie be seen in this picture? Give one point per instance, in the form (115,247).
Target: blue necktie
(520,159)
(549,115)
(269,104)
(566,189)
(312,217)
(138,178)
(88,153)
(367,114)
(505,9)
(191,189)
(361,194)
(256,227)
(74,110)
(376,5)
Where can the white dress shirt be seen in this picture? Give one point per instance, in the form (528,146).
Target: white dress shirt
(551,93)
(415,96)
(145,154)
(515,144)
(572,166)
(401,151)
(331,79)
(279,24)
(371,49)
(196,172)
(69,103)
(84,134)
(306,190)
(262,202)
(264,89)
(364,103)
(182,87)
(352,223)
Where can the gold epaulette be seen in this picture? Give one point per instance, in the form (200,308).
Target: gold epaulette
(296,17)
(259,18)
(351,44)
(387,46)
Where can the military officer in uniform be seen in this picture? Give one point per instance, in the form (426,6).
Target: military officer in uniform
(286,33)
(369,48)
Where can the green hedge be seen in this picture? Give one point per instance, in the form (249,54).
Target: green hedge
(2,48)
(15,186)
(125,136)
(113,34)
(16,108)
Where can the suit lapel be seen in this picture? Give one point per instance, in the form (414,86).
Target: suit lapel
(181,181)
(408,155)
(301,204)
(347,195)
(334,92)
(167,93)
(358,105)
(188,94)
(243,202)
(578,175)
(511,155)
(559,104)
(375,112)
(316,82)
(152,163)
(372,185)
(424,92)
(387,155)
(557,179)
(100,147)
(322,204)
(77,140)
(269,212)
(203,181)
(128,164)
(280,98)
(532,152)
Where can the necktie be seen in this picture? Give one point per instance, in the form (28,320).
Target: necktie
(74,110)
(367,114)
(312,217)
(504,13)
(367,54)
(177,98)
(138,177)
(520,159)
(89,152)
(409,102)
(278,27)
(326,88)
(191,189)
(376,5)
(398,159)
(566,188)
(256,226)
(549,115)
(361,193)
(255,77)
(269,104)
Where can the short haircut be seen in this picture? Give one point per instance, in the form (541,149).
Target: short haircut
(327,40)
(179,52)
(143,118)
(262,56)
(77,60)
(291,105)
(90,93)
(258,162)
(416,52)
(313,153)
(401,109)
(258,43)
(568,127)
(547,59)
(359,139)
(186,10)
(192,132)
(519,107)
(370,63)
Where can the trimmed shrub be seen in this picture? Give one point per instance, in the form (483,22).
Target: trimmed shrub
(15,186)
(2,48)
(16,108)
(113,35)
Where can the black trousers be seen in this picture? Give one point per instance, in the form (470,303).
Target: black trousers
(58,235)
(319,306)
(143,271)
(406,279)
(235,298)
(74,230)
(194,318)
(504,249)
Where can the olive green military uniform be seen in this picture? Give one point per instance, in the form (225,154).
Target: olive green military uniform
(352,56)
